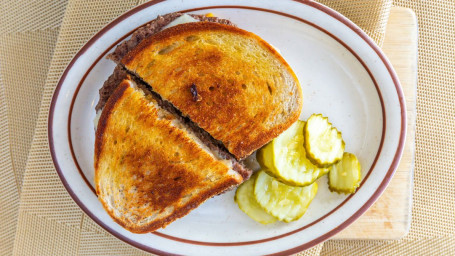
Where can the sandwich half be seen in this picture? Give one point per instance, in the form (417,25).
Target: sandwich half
(151,168)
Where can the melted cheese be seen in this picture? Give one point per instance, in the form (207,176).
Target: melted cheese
(185,18)
(96,119)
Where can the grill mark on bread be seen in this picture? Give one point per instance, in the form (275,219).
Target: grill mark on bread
(174,176)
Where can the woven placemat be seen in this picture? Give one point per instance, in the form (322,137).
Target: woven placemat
(35,41)
(28,32)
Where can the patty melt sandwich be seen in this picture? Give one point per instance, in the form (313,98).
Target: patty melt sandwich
(190,98)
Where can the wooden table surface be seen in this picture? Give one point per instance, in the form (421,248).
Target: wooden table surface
(390,216)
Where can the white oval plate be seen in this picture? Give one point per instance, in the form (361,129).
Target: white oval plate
(344,76)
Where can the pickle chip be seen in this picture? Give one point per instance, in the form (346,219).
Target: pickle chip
(244,197)
(286,203)
(323,142)
(344,177)
(285,158)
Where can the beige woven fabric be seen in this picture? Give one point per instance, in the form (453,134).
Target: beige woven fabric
(27,39)
(9,194)
(24,16)
(50,223)
(370,15)
(25,61)
(433,223)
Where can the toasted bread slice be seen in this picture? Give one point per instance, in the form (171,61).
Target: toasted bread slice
(228,81)
(149,168)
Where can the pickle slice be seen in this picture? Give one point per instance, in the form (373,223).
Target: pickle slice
(323,142)
(344,177)
(286,203)
(285,158)
(244,197)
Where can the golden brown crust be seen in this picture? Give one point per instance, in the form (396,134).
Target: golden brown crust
(241,101)
(102,122)
(148,170)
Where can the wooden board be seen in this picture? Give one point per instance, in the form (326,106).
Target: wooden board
(390,216)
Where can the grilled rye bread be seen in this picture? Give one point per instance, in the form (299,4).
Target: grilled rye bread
(228,81)
(150,168)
